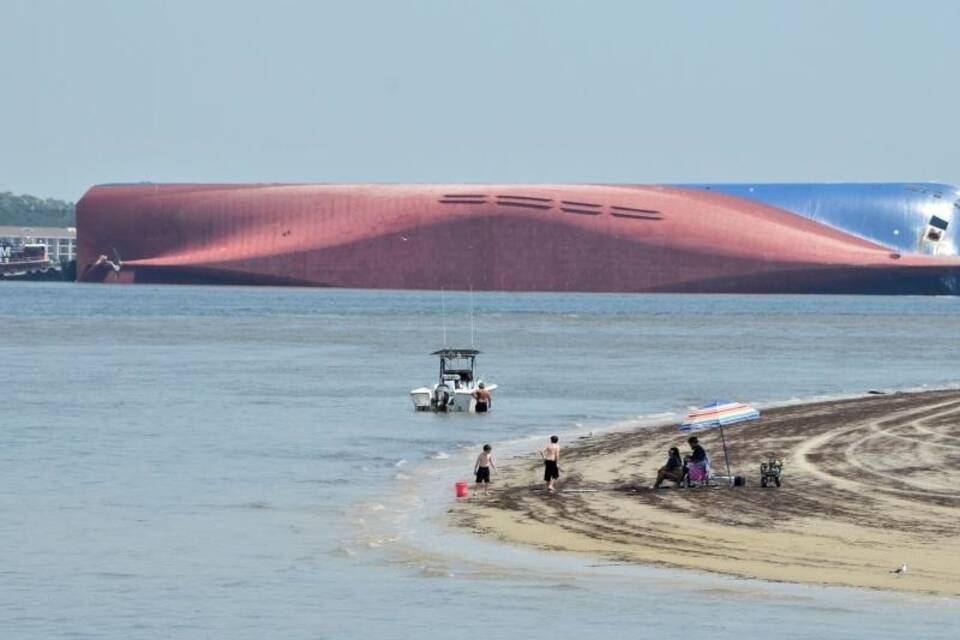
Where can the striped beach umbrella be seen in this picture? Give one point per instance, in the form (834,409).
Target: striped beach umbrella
(719,413)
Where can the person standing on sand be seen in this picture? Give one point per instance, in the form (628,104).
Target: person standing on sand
(551,463)
(482,467)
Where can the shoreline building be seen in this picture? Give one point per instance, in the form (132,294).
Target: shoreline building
(883,238)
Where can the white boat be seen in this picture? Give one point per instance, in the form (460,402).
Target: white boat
(457,385)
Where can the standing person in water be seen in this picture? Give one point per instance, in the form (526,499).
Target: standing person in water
(551,463)
(484,401)
(482,468)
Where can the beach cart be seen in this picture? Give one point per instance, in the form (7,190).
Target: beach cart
(770,471)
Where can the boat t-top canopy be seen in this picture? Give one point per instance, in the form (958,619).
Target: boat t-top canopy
(455,353)
(456,365)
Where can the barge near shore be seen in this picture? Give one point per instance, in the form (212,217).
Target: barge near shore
(893,238)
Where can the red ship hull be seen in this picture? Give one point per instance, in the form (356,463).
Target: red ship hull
(602,238)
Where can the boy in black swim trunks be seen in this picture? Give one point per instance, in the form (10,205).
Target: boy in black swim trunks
(482,468)
(551,463)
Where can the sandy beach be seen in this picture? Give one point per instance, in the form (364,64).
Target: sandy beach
(868,484)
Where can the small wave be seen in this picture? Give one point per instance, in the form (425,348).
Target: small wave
(374,543)
(559,586)
(331,481)
(401,476)
(439,455)
(435,572)
(257,504)
(400,463)
(234,584)
(114,575)
(658,416)
(340,455)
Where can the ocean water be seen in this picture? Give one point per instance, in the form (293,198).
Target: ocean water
(204,462)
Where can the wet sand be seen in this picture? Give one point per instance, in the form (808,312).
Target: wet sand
(868,484)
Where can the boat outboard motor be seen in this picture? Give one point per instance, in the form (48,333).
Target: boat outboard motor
(441,397)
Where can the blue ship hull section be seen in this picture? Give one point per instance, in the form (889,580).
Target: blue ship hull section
(895,215)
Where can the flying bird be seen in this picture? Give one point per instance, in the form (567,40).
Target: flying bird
(901,569)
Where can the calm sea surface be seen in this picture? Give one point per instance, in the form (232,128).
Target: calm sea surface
(203,462)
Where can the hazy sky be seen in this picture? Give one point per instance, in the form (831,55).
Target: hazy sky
(514,91)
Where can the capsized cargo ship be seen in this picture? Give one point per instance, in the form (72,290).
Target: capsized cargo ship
(890,238)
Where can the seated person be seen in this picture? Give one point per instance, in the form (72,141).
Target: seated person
(698,462)
(673,470)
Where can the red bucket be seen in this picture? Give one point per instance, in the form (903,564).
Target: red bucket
(461,489)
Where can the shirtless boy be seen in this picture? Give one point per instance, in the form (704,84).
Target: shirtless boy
(482,468)
(551,463)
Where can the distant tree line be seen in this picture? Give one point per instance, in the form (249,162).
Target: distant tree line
(30,211)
